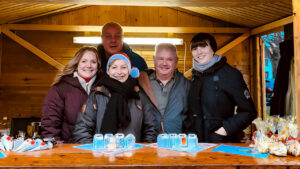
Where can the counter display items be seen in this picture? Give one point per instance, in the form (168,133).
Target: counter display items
(121,151)
(7,143)
(181,142)
(278,136)
(111,144)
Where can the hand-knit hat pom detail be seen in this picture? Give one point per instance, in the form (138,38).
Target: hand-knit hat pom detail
(135,73)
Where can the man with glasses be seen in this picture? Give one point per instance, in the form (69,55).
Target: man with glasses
(112,42)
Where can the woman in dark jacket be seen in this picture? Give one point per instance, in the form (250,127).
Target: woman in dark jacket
(69,92)
(117,106)
(217,89)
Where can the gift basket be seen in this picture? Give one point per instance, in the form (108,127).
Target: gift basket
(276,135)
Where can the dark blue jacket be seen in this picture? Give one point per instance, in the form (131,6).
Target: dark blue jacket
(176,109)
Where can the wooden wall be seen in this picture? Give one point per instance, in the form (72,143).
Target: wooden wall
(296,10)
(25,78)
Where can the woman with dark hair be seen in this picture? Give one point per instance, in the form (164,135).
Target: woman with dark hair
(68,93)
(117,105)
(217,90)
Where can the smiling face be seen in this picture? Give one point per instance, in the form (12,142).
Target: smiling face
(203,54)
(118,70)
(88,66)
(165,62)
(112,39)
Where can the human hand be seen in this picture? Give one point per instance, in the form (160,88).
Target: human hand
(221,131)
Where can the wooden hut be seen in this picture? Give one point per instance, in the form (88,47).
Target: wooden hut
(37,39)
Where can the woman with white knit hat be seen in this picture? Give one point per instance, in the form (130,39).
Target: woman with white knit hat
(117,105)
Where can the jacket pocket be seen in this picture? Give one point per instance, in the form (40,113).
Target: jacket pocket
(212,124)
(216,138)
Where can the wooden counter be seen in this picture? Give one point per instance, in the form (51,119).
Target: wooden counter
(65,156)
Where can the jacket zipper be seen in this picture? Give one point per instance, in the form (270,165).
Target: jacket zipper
(162,116)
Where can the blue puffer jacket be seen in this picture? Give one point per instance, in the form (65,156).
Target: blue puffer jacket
(176,109)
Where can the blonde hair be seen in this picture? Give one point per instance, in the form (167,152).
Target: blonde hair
(166,46)
(73,63)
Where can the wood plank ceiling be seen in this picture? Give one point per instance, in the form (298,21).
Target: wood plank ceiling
(250,16)
(248,13)
(11,12)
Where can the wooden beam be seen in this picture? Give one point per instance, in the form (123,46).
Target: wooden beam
(272,25)
(33,49)
(263,78)
(56,11)
(186,29)
(251,87)
(1,51)
(296,9)
(258,76)
(224,49)
(232,44)
(134,29)
(68,28)
(281,28)
(171,3)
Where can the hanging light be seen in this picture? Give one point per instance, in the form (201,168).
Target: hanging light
(130,41)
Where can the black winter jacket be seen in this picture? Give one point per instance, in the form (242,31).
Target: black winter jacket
(221,93)
(143,123)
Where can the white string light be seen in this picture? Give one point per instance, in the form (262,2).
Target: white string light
(130,41)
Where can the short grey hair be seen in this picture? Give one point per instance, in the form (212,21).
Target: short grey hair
(166,46)
(112,24)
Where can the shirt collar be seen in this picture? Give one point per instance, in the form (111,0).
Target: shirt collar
(152,76)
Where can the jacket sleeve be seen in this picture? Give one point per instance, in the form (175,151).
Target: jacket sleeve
(52,114)
(246,111)
(187,90)
(149,128)
(187,122)
(86,122)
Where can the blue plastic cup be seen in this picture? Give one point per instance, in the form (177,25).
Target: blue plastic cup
(163,141)
(174,141)
(182,140)
(129,141)
(119,140)
(98,142)
(109,141)
(192,141)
